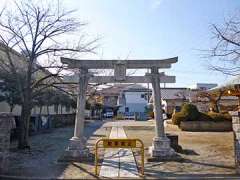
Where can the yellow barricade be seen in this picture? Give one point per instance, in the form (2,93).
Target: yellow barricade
(119,143)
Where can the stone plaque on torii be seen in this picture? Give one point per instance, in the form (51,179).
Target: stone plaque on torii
(161,144)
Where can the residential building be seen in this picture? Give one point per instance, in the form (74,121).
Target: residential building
(110,96)
(173,98)
(203,86)
(133,99)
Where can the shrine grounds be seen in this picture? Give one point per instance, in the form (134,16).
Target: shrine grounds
(206,155)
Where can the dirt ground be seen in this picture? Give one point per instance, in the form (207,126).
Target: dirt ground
(46,148)
(205,154)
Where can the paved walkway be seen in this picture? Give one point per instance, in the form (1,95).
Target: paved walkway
(118,162)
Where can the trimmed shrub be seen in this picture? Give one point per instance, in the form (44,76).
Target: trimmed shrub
(220,116)
(204,117)
(178,117)
(228,117)
(191,112)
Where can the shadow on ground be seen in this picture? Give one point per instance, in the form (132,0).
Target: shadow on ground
(189,152)
(166,170)
(41,160)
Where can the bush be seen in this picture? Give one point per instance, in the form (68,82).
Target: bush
(178,117)
(220,116)
(204,117)
(228,117)
(191,112)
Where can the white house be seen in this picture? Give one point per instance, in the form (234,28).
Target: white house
(133,99)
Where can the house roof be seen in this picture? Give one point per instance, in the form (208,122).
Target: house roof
(113,90)
(174,93)
(136,88)
(228,85)
(229,88)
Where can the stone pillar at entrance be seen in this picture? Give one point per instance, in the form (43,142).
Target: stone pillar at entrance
(161,144)
(236,137)
(7,123)
(77,149)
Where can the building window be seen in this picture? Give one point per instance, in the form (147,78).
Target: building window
(142,95)
(126,109)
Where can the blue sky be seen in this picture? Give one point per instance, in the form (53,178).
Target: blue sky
(131,29)
(156,29)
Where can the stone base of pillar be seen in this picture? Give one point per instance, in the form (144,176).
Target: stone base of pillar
(161,150)
(77,152)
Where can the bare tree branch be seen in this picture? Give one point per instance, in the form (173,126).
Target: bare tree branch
(224,55)
(31,34)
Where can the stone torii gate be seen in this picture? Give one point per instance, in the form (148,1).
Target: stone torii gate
(161,144)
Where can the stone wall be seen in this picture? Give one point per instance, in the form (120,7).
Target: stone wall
(7,122)
(206,126)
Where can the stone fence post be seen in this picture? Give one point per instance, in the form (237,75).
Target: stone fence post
(236,135)
(7,122)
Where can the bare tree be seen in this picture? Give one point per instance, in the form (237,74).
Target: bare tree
(225,53)
(37,31)
(213,97)
(182,95)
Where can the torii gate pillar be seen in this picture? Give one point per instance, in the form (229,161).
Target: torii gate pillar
(160,148)
(77,149)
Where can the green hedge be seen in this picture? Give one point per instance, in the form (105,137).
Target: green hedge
(205,117)
(220,116)
(190,112)
(178,117)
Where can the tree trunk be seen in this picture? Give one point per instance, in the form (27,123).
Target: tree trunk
(40,110)
(11,108)
(216,107)
(24,124)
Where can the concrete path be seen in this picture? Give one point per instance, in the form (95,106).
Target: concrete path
(120,162)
